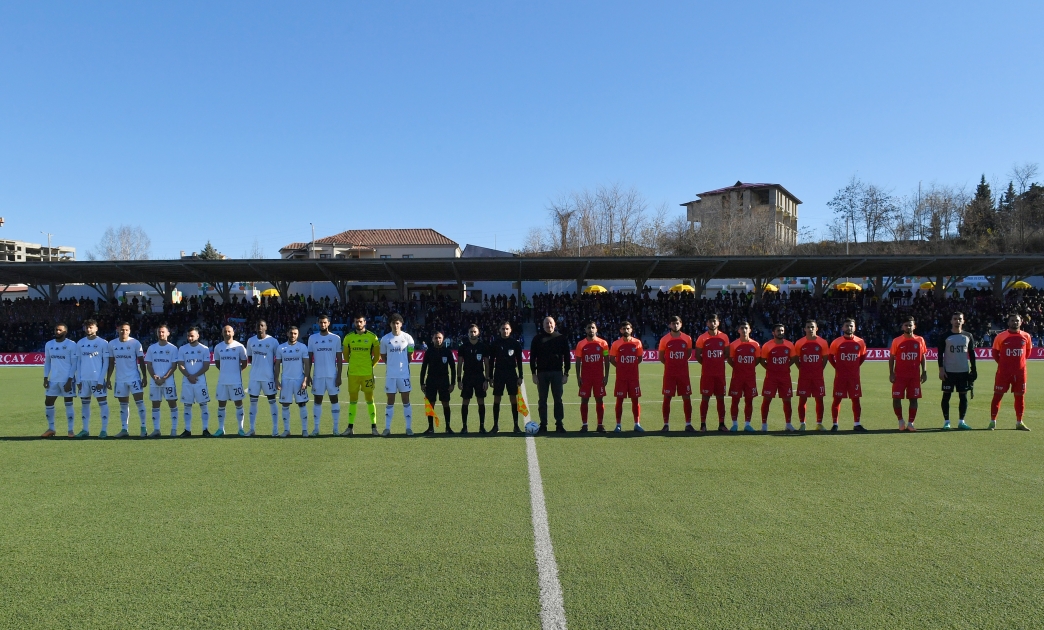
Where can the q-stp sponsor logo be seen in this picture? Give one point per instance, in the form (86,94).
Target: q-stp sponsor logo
(21,358)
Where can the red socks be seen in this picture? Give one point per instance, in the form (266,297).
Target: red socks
(735,408)
(787,410)
(765,402)
(721,410)
(857,410)
(619,409)
(583,410)
(748,408)
(835,409)
(801,408)
(666,408)
(995,405)
(1020,406)
(913,414)
(819,410)
(600,411)
(636,410)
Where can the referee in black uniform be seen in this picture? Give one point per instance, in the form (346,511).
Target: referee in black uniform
(471,379)
(549,361)
(437,377)
(506,365)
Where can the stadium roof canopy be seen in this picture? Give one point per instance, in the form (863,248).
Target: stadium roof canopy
(464,270)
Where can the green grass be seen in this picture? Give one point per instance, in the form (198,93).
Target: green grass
(816,531)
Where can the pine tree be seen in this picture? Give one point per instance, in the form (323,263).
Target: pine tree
(209,253)
(979,215)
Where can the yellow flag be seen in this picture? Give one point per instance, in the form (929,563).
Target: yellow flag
(429,410)
(523,408)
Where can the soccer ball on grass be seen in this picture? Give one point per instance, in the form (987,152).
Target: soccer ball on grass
(532,428)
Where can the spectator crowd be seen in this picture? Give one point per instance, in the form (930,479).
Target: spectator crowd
(27,324)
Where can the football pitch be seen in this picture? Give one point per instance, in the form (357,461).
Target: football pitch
(883,530)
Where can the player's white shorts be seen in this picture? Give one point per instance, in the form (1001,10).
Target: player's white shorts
(54,388)
(167,391)
(396,385)
(257,388)
(195,393)
(126,388)
(229,392)
(292,392)
(322,386)
(86,389)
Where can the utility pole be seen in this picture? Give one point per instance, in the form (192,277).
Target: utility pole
(49,235)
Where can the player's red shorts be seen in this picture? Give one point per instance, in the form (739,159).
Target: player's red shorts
(811,386)
(712,384)
(847,386)
(593,388)
(676,384)
(627,388)
(743,386)
(908,387)
(1014,380)
(777,385)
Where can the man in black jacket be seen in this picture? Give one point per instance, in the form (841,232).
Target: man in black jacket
(506,365)
(549,361)
(437,377)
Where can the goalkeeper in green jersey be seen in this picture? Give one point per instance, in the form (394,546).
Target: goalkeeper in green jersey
(361,353)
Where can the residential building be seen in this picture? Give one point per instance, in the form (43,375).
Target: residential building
(769,202)
(22,251)
(392,243)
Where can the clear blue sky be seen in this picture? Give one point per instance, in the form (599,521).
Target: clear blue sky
(250,120)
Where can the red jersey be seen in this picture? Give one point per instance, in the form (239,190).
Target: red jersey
(1010,351)
(627,354)
(592,355)
(777,357)
(846,355)
(677,350)
(811,355)
(744,357)
(908,353)
(713,347)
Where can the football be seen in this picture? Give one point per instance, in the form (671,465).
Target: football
(532,428)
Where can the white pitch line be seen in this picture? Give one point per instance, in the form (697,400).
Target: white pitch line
(552,610)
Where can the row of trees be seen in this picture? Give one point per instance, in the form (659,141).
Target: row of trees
(131,242)
(940,218)
(867,218)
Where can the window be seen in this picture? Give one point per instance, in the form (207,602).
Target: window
(763,197)
(407,255)
(324,255)
(385,256)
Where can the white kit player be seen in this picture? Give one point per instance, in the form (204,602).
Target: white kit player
(396,349)
(59,376)
(93,364)
(193,363)
(290,370)
(128,361)
(324,349)
(231,359)
(161,359)
(261,351)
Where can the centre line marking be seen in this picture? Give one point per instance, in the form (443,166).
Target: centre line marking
(552,610)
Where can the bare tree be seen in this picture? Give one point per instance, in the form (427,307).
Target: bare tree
(255,251)
(125,242)
(1023,174)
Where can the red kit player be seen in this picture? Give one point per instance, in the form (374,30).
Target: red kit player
(675,349)
(847,354)
(811,354)
(743,357)
(626,354)
(777,355)
(592,370)
(906,371)
(1010,349)
(712,352)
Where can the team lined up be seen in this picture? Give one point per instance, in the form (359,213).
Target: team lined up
(283,373)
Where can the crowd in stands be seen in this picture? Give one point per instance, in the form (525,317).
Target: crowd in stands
(27,324)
